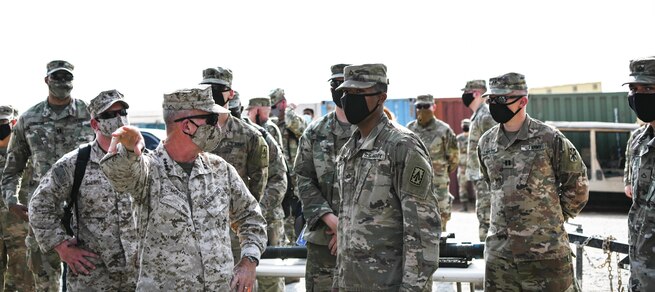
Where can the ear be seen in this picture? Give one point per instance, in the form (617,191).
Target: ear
(524,101)
(383,97)
(45,79)
(94,124)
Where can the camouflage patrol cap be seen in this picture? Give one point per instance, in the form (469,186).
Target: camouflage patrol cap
(6,112)
(475,84)
(58,65)
(235,102)
(276,95)
(466,122)
(337,70)
(259,101)
(642,70)
(104,101)
(424,99)
(364,76)
(506,83)
(218,75)
(196,98)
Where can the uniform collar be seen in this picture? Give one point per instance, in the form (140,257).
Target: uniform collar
(69,110)
(174,169)
(523,134)
(369,143)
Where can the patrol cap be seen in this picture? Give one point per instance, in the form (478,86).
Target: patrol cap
(6,112)
(506,83)
(466,122)
(642,70)
(218,75)
(424,99)
(235,102)
(276,95)
(189,99)
(364,76)
(104,101)
(475,84)
(58,65)
(337,70)
(259,101)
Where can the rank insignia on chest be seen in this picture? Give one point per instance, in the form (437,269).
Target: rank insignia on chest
(417,176)
(374,155)
(508,163)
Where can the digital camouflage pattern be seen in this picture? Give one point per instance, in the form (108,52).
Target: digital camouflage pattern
(462,180)
(388,218)
(337,70)
(259,101)
(58,65)
(537,182)
(199,208)
(364,76)
(218,75)
(106,225)
(475,84)
(276,95)
(193,99)
(641,218)
(442,145)
(105,100)
(42,136)
(627,169)
(481,121)
(318,189)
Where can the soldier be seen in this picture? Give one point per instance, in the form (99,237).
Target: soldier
(102,252)
(271,201)
(186,200)
(641,218)
(537,181)
(14,275)
(291,128)
(388,220)
(259,109)
(442,144)
(318,187)
(43,134)
(462,144)
(481,122)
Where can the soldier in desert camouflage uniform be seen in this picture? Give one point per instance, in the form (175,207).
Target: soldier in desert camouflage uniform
(462,144)
(42,135)
(102,255)
(186,200)
(641,218)
(440,140)
(537,181)
(318,187)
(481,122)
(389,225)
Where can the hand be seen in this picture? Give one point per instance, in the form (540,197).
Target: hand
(332,245)
(331,221)
(129,137)
(244,276)
(75,257)
(20,211)
(628,191)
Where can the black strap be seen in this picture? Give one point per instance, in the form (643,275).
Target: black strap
(83,155)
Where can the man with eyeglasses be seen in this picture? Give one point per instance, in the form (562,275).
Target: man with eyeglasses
(641,218)
(318,187)
(442,144)
(389,226)
(537,181)
(102,251)
(42,135)
(186,200)
(481,122)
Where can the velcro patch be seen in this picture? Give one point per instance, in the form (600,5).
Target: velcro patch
(417,176)
(374,155)
(532,147)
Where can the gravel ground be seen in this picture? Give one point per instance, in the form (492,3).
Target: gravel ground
(606,223)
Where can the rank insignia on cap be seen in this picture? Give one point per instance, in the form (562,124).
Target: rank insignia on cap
(417,176)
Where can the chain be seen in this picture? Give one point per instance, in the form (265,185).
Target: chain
(607,262)
(620,287)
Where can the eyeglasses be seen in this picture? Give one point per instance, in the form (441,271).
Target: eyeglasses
(334,83)
(502,99)
(423,106)
(220,87)
(61,76)
(210,119)
(112,114)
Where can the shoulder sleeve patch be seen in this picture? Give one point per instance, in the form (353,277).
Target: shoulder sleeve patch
(417,176)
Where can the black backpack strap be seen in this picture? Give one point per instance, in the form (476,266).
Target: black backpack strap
(83,155)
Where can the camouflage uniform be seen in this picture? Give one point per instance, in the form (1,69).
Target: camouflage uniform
(481,122)
(641,218)
(462,144)
(441,142)
(183,220)
(537,181)
(389,226)
(43,136)
(627,171)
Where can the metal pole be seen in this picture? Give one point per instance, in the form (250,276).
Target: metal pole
(578,257)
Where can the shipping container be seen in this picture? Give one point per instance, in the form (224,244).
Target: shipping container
(577,107)
(402,108)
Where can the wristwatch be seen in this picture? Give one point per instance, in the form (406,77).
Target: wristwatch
(252,259)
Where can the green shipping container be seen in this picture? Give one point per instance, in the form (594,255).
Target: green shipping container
(579,107)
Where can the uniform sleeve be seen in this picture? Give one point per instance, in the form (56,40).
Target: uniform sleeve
(128,173)
(246,217)
(452,151)
(276,185)
(46,206)
(18,152)
(628,158)
(313,202)
(421,222)
(257,166)
(294,122)
(571,173)
(478,127)
(483,167)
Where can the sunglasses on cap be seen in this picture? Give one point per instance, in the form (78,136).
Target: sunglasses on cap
(112,114)
(61,76)
(423,106)
(334,83)
(210,119)
(502,99)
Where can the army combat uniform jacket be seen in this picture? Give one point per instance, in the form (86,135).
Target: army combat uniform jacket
(183,220)
(389,226)
(481,121)
(537,181)
(106,226)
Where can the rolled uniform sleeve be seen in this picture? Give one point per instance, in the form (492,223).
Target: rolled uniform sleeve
(246,217)
(314,204)
(128,173)
(571,173)
(18,152)
(257,166)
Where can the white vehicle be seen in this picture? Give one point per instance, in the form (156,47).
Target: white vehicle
(152,137)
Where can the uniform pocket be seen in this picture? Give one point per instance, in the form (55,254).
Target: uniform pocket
(176,203)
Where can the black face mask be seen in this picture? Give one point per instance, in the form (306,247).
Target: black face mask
(5,130)
(336,97)
(501,113)
(355,107)
(467,99)
(465,128)
(217,93)
(643,104)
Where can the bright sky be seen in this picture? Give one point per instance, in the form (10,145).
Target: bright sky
(147,48)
